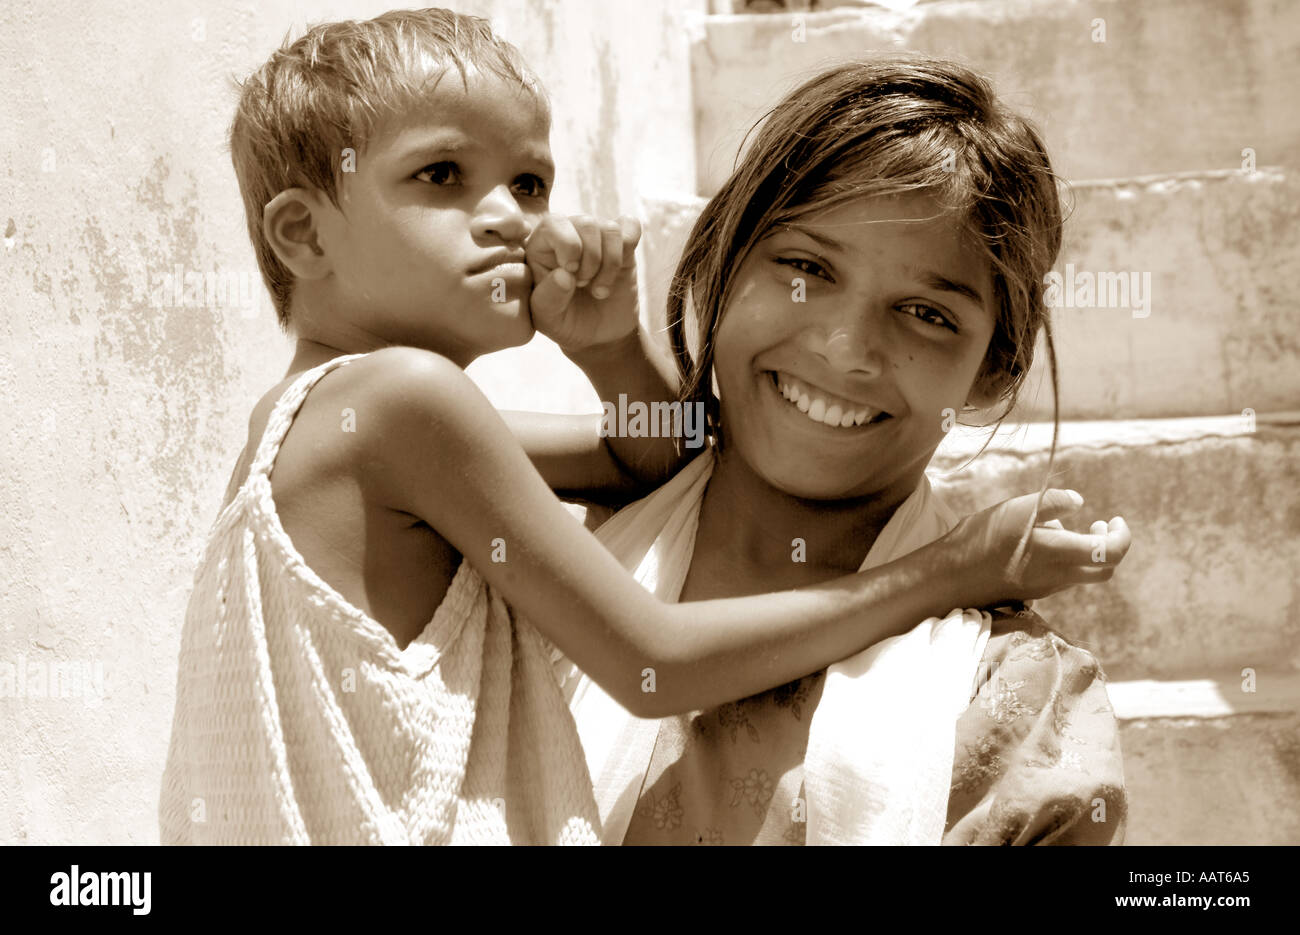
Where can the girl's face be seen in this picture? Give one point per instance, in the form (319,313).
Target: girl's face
(852,336)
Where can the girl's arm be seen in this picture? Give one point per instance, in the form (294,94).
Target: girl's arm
(439,451)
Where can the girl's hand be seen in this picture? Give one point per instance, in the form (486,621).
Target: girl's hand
(584,279)
(996,568)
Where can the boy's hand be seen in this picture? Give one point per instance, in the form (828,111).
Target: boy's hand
(985,544)
(584,279)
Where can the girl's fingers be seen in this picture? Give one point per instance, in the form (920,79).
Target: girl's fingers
(1056,503)
(611,253)
(1118,538)
(1053,524)
(589,229)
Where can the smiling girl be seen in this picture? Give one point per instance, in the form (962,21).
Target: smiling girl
(873,265)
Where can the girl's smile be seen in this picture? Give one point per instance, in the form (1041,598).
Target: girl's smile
(850,333)
(825,408)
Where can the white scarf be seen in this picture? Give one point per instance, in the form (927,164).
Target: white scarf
(880,746)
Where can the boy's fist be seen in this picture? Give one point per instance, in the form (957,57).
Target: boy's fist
(584,279)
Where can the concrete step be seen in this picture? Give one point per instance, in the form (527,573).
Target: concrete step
(1172,296)
(1217,327)
(1170,88)
(1225,781)
(1213,760)
(1214,506)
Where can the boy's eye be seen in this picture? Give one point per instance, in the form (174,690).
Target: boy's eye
(929,310)
(440,173)
(803,265)
(531,186)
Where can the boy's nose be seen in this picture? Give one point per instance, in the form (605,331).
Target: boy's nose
(499,216)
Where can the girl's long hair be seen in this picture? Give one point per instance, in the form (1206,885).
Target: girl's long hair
(893,125)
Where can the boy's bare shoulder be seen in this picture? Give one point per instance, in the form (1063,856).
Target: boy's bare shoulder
(399,386)
(384,412)
(351,419)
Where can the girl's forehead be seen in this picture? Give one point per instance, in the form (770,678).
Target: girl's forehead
(887,223)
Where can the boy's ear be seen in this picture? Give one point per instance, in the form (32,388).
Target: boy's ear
(291,225)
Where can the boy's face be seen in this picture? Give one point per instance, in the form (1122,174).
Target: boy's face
(427,250)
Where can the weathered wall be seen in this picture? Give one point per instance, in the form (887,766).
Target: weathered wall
(122,418)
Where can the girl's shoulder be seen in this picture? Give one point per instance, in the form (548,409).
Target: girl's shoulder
(1020,639)
(1037,756)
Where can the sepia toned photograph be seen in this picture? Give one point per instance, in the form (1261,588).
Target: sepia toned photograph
(651,422)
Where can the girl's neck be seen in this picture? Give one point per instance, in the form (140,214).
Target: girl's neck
(756,529)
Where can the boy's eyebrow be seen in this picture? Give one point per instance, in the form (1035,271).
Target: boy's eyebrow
(440,143)
(451,144)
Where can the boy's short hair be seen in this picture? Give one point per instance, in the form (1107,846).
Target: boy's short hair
(330,89)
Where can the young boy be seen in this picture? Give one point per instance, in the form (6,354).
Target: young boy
(396,176)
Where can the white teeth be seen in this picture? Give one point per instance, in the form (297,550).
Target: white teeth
(828,414)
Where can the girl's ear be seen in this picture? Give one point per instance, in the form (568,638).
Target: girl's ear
(290,224)
(984,393)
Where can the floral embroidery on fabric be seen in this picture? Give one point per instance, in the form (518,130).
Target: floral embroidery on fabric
(756,788)
(1060,714)
(732,717)
(793,695)
(666,813)
(1003,704)
(796,834)
(1072,760)
(709,837)
(981,764)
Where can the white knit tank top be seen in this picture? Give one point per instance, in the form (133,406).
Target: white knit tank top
(299,721)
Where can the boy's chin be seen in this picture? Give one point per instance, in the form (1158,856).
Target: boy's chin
(513,326)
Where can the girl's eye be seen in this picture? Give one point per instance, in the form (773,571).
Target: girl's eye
(532,186)
(811,267)
(440,173)
(942,321)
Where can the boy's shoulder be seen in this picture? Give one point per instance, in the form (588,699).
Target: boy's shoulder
(380,412)
(386,382)
(397,393)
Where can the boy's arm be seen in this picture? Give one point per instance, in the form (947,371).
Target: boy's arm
(635,370)
(458,469)
(578,459)
(584,298)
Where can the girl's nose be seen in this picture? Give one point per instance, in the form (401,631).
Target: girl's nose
(848,347)
(498,215)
